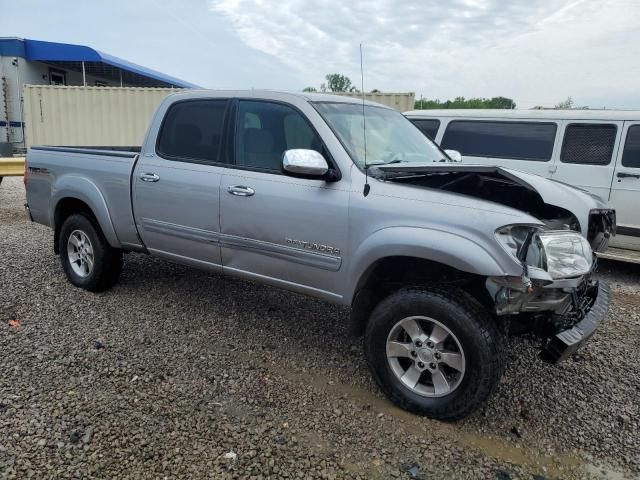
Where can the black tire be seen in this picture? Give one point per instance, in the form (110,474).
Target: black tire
(107,261)
(478,334)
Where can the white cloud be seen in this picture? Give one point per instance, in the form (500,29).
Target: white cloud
(536,51)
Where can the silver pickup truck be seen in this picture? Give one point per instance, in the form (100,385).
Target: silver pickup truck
(349,202)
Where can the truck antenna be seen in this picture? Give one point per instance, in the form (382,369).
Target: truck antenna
(367,187)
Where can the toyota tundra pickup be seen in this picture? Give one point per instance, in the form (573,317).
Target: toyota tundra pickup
(347,201)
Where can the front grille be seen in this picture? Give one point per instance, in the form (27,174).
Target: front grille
(602,225)
(582,299)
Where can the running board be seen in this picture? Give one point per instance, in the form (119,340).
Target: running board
(621,254)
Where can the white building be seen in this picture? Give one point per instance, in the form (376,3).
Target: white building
(34,62)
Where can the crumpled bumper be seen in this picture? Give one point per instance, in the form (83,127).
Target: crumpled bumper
(567,342)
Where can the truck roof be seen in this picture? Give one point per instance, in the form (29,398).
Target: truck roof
(275,95)
(569,114)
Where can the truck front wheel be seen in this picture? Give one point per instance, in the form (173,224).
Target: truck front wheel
(87,258)
(434,352)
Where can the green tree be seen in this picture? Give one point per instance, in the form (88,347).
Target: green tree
(336,82)
(309,89)
(462,102)
(501,102)
(565,104)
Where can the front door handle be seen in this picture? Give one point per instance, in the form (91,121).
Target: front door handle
(241,190)
(149,177)
(628,175)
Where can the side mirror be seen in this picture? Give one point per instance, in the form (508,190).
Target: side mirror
(454,155)
(300,162)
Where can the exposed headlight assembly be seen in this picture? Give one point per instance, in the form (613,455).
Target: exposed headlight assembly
(517,240)
(561,253)
(566,254)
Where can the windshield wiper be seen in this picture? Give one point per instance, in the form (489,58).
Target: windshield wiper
(381,164)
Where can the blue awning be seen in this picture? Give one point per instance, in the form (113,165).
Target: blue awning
(64,53)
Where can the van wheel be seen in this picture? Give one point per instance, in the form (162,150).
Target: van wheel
(87,258)
(434,352)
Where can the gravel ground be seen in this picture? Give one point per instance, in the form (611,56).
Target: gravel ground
(174,368)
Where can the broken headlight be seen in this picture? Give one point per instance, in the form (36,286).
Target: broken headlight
(561,253)
(566,254)
(517,240)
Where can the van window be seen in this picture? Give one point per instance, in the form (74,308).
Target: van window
(588,143)
(428,127)
(516,140)
(192,131)
(631,154)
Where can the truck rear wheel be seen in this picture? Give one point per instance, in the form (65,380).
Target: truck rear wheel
(434,352)
(87,258)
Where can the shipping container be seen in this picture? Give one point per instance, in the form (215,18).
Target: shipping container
(115,116)
(89,116)
(398,101)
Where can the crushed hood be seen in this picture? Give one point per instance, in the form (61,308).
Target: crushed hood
(550,201)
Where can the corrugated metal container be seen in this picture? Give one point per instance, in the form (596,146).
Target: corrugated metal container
(89,116)
(401,102)
(115,116)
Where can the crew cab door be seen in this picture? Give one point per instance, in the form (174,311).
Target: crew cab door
(176,184)
(289,232)
(625,189)
(587,155)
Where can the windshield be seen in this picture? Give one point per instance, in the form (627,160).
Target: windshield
(390,136)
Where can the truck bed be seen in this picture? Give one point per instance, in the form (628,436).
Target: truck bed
(104,174)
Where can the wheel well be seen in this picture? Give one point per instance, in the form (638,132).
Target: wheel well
(391,273)
(65,208)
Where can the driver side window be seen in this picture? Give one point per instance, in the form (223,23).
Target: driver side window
(266,130)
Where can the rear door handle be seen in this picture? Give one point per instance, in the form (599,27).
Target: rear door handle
(628,175)
(149,177)
(241,190)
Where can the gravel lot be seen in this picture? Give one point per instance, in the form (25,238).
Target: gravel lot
(173,368)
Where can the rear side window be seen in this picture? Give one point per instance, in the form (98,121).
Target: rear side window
(192,131)
(428,127)
(516,140)
(266,130)
(588,144)
(631,154)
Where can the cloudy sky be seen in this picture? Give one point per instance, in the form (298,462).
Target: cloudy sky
(537,52)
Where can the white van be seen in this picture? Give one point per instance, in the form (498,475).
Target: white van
(598,150)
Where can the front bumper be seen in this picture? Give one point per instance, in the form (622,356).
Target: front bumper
(567,342)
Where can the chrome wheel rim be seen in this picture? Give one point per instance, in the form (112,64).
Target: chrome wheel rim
(80,253)
(425,356)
